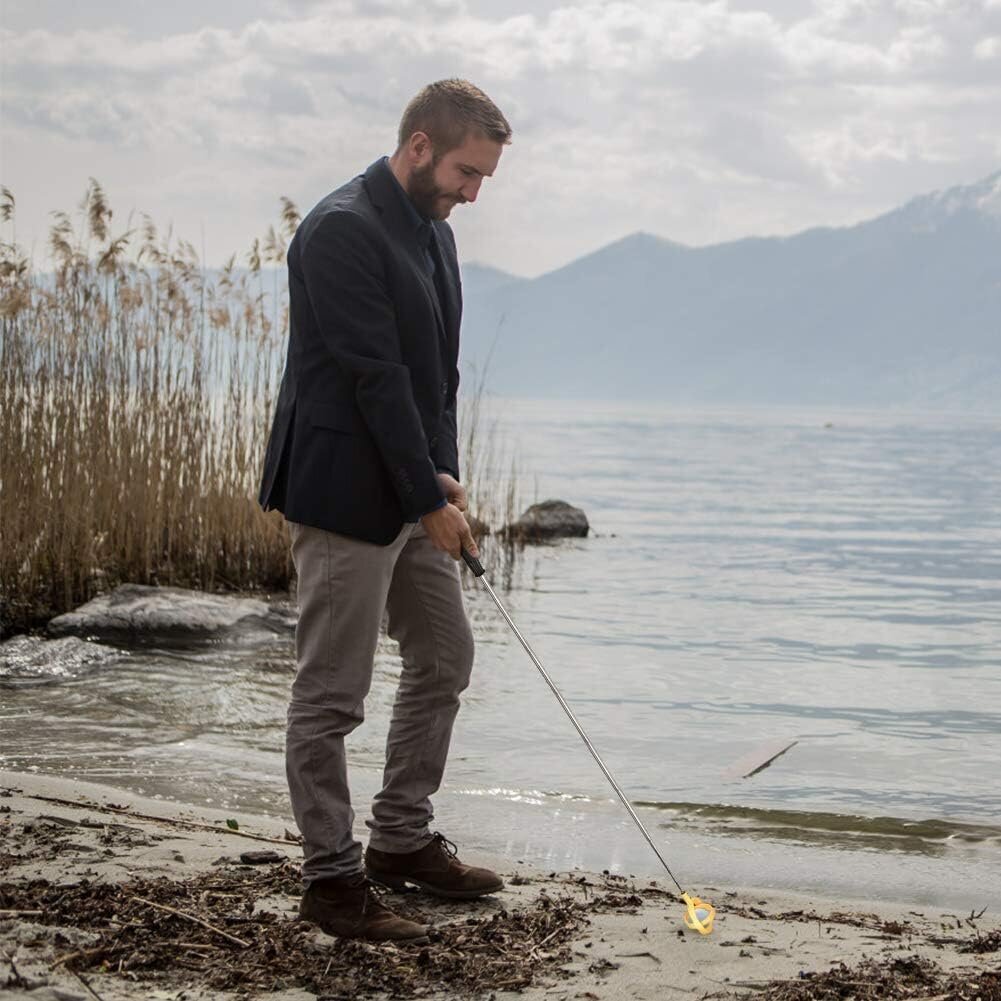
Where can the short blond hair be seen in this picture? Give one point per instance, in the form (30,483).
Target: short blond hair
(447,111)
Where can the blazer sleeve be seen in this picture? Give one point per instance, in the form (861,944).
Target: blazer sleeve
(344,275)
(445,454)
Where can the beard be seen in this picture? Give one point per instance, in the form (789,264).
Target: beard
(429,199)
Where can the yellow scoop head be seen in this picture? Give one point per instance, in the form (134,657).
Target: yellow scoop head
(698,914)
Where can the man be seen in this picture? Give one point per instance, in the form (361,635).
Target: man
(362,461)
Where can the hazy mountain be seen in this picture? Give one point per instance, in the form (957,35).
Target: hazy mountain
(902,310)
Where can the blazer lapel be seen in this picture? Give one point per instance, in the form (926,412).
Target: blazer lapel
(428,282)
(450,304)
(379,183)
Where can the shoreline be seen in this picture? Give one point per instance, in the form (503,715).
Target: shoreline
(606,936)
(941,868)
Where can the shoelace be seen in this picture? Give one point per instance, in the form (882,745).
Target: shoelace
(373,896)
(447,846)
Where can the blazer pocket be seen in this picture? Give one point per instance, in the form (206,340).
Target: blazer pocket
(336,417)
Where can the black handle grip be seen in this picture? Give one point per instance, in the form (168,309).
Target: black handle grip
(473,563)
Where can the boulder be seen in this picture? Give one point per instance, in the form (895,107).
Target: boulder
(34,659)
(137,613)
(552,519)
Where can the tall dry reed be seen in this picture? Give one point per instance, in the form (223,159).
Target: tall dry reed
(490,473)
(136,393)
(134,397)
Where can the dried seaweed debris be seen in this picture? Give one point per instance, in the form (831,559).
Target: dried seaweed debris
(902,979)
(212,931)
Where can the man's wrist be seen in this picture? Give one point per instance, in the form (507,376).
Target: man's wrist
(437,507)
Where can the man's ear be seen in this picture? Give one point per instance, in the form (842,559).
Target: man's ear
(419,149)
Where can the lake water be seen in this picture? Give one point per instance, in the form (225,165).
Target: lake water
(752,579)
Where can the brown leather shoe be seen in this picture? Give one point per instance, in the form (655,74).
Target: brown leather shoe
(351,908)
(434,868)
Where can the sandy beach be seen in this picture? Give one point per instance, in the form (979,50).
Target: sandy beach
(112,896)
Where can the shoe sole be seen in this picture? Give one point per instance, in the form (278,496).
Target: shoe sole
(424,939)
(416,940)
(402,882)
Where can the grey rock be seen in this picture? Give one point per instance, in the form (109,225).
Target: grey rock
(262,858)
(552,519)
(35,659)
(138,613)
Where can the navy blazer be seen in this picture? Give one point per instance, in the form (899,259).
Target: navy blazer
(366,411)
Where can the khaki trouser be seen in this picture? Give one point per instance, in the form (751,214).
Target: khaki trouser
(345,585)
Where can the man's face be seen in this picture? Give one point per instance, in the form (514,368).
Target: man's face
(455,179)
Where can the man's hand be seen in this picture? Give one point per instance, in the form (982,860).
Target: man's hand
(449,531)
(454,491)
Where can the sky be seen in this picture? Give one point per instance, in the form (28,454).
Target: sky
(700,121)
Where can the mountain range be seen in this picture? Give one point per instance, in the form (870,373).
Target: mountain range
(900,311)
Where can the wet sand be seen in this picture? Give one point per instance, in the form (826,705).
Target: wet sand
(104,894)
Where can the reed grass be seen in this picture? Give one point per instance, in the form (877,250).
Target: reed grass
(136,394)
(490,473)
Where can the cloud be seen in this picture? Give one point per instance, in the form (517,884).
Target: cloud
(988,48)
(699,119)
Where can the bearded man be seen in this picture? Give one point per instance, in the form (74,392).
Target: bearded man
(363,462)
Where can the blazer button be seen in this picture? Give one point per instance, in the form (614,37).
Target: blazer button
(444,389)
(433,440)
